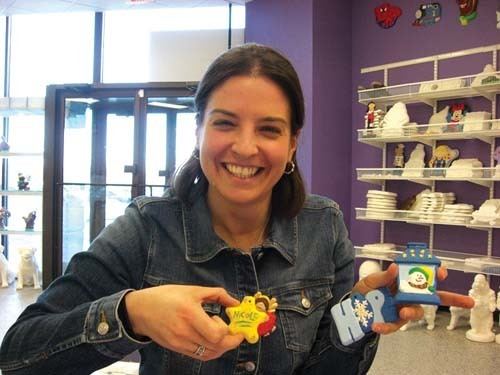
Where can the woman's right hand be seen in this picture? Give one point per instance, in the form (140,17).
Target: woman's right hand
(173,317)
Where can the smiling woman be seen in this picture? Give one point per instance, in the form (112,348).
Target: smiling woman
(237,225)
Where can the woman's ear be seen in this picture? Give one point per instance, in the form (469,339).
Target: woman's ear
(294,139)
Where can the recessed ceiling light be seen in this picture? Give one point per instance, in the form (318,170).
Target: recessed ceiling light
(168,105)
(139,2)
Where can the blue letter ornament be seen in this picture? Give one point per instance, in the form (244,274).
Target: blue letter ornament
(416,285)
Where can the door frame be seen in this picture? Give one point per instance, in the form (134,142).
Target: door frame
(55,100)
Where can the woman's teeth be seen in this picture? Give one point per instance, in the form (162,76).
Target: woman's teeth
(241,172)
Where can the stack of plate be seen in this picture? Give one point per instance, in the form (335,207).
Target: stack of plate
(433,204)
(459,213)
(380,204)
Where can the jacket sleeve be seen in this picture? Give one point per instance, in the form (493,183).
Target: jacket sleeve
(328,355)
(74,326)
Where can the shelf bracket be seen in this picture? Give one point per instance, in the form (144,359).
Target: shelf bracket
(421,182)
(486,184)
(488,140)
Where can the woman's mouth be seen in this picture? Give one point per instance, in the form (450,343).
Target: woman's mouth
(240,171)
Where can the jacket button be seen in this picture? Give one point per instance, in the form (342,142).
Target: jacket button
(249,366)
(103,328)
(306,303)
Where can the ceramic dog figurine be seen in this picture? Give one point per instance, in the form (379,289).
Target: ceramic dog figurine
(29,272)
(457,313)
(429,318)
(6,275)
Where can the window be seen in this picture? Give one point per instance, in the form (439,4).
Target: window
(155,48)
(49,49)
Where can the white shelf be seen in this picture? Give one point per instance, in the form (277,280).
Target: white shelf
(7,231)
(12,106)
(428,133)
(465,262)
(430,91)
(21,192)
(7,154)
(416,217)
(482,176)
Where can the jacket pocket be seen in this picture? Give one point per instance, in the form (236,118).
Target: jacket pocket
(301,306)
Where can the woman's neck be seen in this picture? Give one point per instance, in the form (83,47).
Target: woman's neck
(240,227)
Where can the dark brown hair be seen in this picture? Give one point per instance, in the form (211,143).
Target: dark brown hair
(249,60)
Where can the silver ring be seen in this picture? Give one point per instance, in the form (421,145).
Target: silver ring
(200,350)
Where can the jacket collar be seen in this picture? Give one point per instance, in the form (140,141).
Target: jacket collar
(202,243)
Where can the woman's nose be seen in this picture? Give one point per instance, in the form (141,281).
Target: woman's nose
(245,145)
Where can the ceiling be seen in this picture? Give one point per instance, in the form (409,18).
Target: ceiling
(10,7)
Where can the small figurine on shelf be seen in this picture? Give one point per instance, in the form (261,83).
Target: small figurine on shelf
(30,220)
(4,146)
(456,114)
(442,157)
(373,117)
(481,315)
(4,215)
(399,158)
(23,182)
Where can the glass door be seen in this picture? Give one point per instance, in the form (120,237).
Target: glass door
(108,147)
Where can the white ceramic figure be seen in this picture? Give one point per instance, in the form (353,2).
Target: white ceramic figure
(416,160)
(481,315)
(368,267)
(28,273)
(456,313)
(429,318)
(437,118)
(394,120)
(6,275)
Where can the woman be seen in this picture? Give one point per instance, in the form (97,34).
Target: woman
(236,222)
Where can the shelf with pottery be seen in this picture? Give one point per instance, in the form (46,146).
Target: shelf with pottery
(428,133)
(387,121)
(418,217)
(430,91)
(425,176)
(15,106)
(411,217)
(452,260)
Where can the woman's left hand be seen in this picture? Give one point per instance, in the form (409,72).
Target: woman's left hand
(388,279)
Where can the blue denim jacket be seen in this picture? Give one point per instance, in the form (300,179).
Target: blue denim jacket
(306,263)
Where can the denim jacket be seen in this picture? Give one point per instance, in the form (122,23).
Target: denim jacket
(305,263)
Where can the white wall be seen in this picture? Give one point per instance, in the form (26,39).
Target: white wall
(184,55)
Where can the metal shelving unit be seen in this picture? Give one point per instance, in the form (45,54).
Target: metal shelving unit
(430,92)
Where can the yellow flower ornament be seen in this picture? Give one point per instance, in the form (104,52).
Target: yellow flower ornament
(245,318)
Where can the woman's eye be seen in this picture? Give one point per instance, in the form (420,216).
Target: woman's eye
(223,123)
(271,130)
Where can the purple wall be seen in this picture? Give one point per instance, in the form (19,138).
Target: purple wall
(325,45)
(373,45)
(287,26)
(303,31)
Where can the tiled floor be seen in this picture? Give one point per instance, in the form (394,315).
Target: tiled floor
(414,352)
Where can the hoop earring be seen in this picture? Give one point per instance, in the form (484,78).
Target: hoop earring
(196,154)
(290,167)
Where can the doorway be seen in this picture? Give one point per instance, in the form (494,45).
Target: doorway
(104,146)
